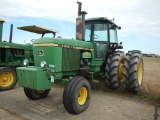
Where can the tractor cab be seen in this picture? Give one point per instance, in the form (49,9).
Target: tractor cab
(100,30)
(103,33)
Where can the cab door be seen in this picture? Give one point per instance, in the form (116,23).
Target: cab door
(100,39)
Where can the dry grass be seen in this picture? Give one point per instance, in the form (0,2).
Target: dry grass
(151,83)
(150,90)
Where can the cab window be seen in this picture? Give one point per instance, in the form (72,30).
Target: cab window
(112,35)
(87,32)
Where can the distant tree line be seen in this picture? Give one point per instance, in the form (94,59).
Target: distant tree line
(150,55)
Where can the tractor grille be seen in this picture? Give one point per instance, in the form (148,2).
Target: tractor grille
(70,59)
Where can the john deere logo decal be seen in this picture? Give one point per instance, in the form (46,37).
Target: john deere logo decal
(40,53)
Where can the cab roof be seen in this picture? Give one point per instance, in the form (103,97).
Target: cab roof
(37,29)
(101,19)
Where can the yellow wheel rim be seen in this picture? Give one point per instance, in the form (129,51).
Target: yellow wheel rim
(120,71)
(82,97)
(6,79)
(140,72)
(40,91)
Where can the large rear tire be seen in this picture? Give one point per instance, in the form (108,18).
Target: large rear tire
(133,71)
(114,69)
(8,79)
(76,95)
(35,94)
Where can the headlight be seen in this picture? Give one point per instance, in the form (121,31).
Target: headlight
(43,64)
(115,45)
(25,62)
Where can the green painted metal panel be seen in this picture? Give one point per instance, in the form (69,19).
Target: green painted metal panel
(51,55)
(13,63)
(94,68)
(28,54)
(62,41)
(34,78)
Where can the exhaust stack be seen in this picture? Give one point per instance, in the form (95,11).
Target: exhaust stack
(1,29)
(80,23)
(10,35)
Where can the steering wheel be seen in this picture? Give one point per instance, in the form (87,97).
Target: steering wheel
(32,40)
(94,36)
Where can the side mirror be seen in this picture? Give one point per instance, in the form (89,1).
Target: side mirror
(120,43)
(119,27)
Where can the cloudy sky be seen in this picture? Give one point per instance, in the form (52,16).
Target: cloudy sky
(139,19)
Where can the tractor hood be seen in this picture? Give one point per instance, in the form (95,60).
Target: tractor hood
(15,45)
(70,43)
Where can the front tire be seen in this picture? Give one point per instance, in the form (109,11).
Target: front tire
(114,69)
(76,95)
(35,94)
(8,79)
(133,71)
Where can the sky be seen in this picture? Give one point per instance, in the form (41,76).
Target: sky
(139,19)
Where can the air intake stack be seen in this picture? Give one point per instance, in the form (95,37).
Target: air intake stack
(80,23)
(11,32)
(1,29)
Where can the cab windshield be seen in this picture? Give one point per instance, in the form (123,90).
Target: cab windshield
(96,32)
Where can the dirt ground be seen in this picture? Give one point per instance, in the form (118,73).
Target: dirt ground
(151,83)
(14,105)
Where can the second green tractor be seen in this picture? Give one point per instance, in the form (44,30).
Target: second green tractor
(13,54)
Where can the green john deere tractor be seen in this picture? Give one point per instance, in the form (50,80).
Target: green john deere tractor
(13,54)
(95,51)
